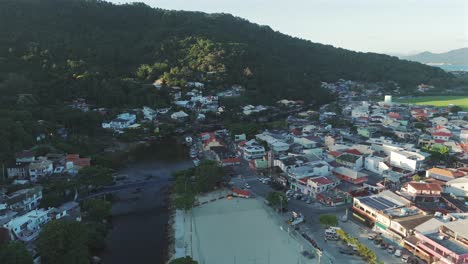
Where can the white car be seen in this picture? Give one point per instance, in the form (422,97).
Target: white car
(397,253)
(247,186)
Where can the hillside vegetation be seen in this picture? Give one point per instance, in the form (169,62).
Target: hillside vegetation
(52,51)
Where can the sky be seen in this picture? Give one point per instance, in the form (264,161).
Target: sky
(396,27)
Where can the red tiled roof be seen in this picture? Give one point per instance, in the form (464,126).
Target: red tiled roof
(304,180)
(394,115)
(232,160)
(334,153)
(353,151)
(439,141)
(24,154)
(321,181)
(442,134)
(241,192)
(296,132)
(77,161)
(425,186)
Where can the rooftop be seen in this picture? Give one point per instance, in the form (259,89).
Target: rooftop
(347,157)
(449,244)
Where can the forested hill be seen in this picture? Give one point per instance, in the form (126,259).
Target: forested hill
(58,49)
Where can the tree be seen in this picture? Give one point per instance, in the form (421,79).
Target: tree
(207,175)
(97,232)
(15,253)
(455,109)
(277,199)
(416,177)
(185,200)
(421,126)
(95,176)
(184,260)
(97,209)
(63,242)
(328,220)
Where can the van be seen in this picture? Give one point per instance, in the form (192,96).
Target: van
(397,253)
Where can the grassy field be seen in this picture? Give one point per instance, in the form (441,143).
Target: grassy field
(461,101)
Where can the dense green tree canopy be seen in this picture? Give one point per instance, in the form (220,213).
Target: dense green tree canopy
(14,253)
(277,199)
(184,260)
(63,242)
(54,51)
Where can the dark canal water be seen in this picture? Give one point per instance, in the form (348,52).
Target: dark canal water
(139,215)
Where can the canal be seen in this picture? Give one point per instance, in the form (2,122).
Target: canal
(139,216)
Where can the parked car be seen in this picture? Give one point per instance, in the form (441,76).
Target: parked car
(391,249)
(405,258)
(383,245)
(247,186)
(377,240)
(304,198)
(309,201)
(346,251)
(397,253)
(372,236)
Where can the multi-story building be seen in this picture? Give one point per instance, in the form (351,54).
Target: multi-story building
(441,240)
(407,160)
(252,150)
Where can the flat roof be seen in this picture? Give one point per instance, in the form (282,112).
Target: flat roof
(449,244)
(376,202)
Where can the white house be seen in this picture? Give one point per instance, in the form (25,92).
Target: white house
(439,121)
(457,187)
(122,122)
(149,113)
(195,84)
(407,160)
(445,136)
(180,116)
(320,168)
(26,227)
(40,167)
(253,150)
(25,199)
(375,164)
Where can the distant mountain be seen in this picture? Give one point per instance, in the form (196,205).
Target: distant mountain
(453,57)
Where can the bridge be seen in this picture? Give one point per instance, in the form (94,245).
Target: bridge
(121,187)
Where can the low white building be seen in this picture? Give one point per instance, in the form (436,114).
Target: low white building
(122,122)
(376,164)
(407,160)
(181,115)
(40,167)
(27,227)
(149,113)
(457,187)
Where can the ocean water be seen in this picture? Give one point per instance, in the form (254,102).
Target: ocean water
(453,67)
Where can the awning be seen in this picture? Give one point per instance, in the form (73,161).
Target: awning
(380,225)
